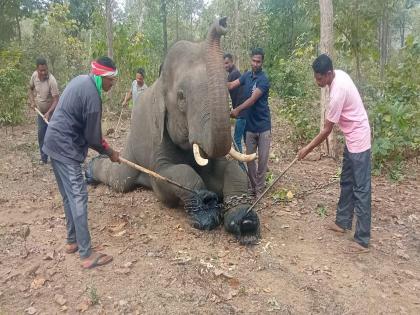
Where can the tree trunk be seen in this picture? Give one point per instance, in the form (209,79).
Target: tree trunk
(329,147)
(19,31)
(384,40)
(164,27)
(109,34)
(236,47)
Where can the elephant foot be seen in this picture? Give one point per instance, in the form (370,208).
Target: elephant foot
(243,224)
(90,179)
(204,210)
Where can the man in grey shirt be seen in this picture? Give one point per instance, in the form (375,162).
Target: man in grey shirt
(75,127)
(137,88)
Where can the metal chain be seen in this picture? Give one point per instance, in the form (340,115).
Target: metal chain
(233,201)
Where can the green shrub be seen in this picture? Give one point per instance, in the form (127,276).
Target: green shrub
(12,87)
(292,81)
(396,115)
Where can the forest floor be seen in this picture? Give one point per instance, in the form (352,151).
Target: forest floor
(164,266)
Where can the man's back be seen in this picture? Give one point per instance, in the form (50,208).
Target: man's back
(67,132)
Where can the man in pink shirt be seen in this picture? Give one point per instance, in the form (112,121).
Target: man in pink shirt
(346,109)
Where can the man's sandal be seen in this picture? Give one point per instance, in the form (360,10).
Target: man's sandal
(98,260)
(71,248)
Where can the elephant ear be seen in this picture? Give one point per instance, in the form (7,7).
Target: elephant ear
(159,111)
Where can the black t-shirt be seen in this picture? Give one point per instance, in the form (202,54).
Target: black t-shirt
(236,95)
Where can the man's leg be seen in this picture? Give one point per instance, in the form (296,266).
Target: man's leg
(71,231)
(251,147)
(42,129)
(75,188)
(239,132)
(264,141)
(345,207)
(362,196)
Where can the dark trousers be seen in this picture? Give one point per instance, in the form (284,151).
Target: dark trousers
(42,129)
(355,195)
(261,142)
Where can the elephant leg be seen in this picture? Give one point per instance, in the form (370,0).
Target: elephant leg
(233,181)
(120,177)
(201,206)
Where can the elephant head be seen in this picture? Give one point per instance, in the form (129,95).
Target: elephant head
(195,97)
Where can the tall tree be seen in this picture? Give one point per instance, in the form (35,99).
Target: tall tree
(164,15)
(109,29)
(329,147)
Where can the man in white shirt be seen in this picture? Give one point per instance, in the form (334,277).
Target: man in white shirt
(137,88)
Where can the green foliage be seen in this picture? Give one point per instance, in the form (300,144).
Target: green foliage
(54,39)
(321,210)
(292,80)
(12,87)
(283,195)
(92,293)
(396,115)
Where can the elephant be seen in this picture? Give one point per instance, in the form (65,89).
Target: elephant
(181,124)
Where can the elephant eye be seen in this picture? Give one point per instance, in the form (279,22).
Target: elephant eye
(180,95)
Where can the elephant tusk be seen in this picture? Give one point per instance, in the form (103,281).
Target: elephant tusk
(242,157)
(200,160)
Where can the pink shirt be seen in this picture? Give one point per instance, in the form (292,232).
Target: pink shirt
(346,109)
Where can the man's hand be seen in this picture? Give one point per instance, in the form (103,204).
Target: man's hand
(303,152)
(234,113)
(115,156)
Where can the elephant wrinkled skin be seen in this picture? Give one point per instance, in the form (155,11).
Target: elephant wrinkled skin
(188,104)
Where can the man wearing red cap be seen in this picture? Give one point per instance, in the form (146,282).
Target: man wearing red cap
(75,127)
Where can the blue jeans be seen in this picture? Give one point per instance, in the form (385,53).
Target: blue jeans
(73,190)
(355,195)
(239,132)
(42,129)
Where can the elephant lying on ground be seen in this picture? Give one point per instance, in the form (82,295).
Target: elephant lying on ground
(185,111)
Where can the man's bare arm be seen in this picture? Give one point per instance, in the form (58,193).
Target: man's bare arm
(248,103)
(322,135)
(127,97)
(31,97)
(234,84)
(52,107)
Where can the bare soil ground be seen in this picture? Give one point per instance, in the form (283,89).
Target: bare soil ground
(164,266)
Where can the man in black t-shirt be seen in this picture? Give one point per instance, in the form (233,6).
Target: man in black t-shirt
(236,95)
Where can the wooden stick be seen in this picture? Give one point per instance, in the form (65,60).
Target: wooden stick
(119,119)
(40,114)
(153,174)
(272,184)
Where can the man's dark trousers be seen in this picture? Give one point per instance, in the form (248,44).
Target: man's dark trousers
(42,129)
(355,195)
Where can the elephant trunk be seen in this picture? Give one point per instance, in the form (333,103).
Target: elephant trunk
(218,140)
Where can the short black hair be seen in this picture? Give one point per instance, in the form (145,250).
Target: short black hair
(140,71)
(41,62)
(107,62)
(322,64)
(257,51)
(228,55)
